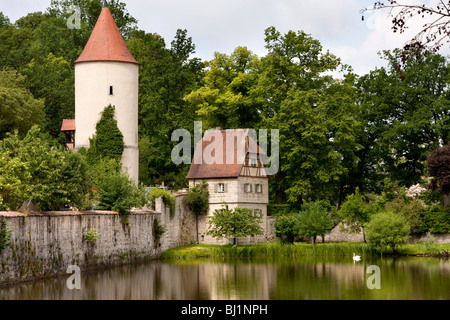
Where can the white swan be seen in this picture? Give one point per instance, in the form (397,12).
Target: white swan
(356,258)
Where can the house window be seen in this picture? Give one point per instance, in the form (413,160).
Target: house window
(247,187)
(111,90)
(253,162)
(221,187)
(258,188)
(257,213)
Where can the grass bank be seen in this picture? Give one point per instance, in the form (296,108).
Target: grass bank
(272,249)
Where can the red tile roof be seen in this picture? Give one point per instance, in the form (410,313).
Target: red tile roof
(68,125)
(106,42)
(201,170)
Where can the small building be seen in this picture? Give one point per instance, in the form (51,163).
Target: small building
(68,127)
(241,183)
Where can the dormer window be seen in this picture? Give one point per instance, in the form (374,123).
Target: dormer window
(111,90)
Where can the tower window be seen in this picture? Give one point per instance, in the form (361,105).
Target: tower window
(111,90)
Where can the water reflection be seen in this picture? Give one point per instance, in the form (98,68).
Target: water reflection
(277,279)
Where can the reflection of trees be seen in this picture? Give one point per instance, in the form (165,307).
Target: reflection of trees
(284,278)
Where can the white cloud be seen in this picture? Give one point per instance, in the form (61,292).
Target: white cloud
(223,25)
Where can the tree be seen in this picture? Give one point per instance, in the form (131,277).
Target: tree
(387,229)
(355,212)
(197,198)
(438,163)
(286,228)
(314,220)
(166,76)
(14,180)
(49,176)
(4,21)
(90,11)
(225,98)
(19,110)
(108,140)
(405,112)
(239,222)
(432,34)
(117,192)
(314,113)
(52,79)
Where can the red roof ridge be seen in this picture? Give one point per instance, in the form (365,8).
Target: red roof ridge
(221,170)
(106,43)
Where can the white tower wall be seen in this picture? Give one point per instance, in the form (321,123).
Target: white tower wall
(92,94)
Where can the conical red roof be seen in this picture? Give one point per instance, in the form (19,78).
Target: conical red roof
(106,42)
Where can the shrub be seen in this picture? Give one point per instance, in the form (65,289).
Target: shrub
(90,236)
(197,198)
(280,209)
(286,228)
(168,199)
(115,190)
(158,229)
(437,219)
(387,229)
(37,169)
(355,212)
(240,222)
(411,210)
(314,220)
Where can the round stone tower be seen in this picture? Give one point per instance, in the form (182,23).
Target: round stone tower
(107,73)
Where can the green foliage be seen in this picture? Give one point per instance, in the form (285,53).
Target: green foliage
(316,116)
(405,114)
(277,210)
(355,212)
(115,190)
(51,78)
(314,220)
(14,180)
(108,140)
(225,100)
(197,198)
(48,175)
(412,210)
(166,76)
(19,110)
(387,229)
(158,229)
(168,199)
(438,163)
(298,250)
(437,219)
(286,228)
(90,11)
(5,232)
(4,21)
(239,222)
(90,236)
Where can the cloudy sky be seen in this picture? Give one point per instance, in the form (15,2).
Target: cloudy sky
(223,25)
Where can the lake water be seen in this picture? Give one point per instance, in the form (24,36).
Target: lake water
(301,278)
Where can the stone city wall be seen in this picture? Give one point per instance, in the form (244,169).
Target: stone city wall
(46,244)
